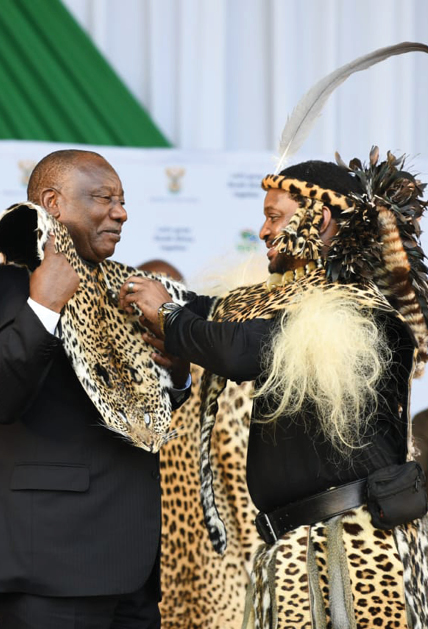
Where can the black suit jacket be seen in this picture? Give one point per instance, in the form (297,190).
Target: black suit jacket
(79,506)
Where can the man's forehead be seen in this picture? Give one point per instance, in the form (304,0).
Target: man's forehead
(96,172)
(277,197)
(94,164)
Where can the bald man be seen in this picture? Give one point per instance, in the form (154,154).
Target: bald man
(80,506)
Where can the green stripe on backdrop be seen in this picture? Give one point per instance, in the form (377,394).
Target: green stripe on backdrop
(56,86)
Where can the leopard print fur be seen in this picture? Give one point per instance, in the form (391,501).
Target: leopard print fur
(258,301)
(103,343)
(342,573)
(298,188)
(243,304)
(288,598)
(202,589)
(412,544)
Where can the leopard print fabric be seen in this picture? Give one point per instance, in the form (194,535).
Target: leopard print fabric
(338,574)
(203,590)
(243,304)
(342,573)
(309,190)
(103,343)
(257,301)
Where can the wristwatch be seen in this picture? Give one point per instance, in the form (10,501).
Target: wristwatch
(167,313)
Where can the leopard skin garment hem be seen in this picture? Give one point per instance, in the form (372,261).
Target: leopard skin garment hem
(341,574)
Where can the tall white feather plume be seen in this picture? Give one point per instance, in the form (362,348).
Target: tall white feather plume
(307,110)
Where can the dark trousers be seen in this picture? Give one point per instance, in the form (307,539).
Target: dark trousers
(138,610)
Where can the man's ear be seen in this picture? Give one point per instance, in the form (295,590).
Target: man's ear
(327,218)
(49,201)
(328,227)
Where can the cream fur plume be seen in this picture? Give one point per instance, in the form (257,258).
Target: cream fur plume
(309,107)
(329,353)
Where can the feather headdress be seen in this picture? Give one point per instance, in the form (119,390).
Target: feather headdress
(379,239)
(309,108)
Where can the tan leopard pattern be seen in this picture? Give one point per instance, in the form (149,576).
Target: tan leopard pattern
(347,561)
(309,190)
(243,304)
(203,590)
(257,301)
(104,344)
(282,597)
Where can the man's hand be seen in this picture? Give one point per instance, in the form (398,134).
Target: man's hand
(54,281)
(147,294)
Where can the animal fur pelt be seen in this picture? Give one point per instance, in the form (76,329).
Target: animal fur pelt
(103,343)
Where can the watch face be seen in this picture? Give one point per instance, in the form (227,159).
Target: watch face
(170,306)
(163,312)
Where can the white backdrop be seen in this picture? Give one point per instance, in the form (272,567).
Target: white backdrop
(199,210)
(223,74)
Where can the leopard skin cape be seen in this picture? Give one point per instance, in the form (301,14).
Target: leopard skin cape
(252,302)
(339,573)
(103,343)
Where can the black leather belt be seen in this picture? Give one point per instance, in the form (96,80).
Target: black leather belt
(271,526)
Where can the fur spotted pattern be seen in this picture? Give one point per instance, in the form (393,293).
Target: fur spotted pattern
(243,304)
(257,301)
(103,343)
(309,190)
(203,590)
(342,573)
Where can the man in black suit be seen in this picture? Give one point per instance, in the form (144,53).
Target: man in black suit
(80,507)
